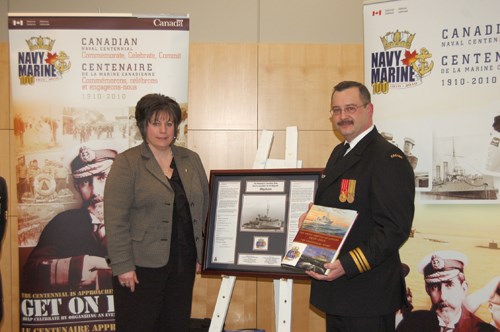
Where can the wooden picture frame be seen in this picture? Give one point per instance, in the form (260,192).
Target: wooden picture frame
(253,218)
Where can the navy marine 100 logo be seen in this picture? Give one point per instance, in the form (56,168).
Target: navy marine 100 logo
(397,67)
(40,63)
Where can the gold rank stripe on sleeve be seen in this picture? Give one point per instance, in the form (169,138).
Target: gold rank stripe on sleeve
(360,260)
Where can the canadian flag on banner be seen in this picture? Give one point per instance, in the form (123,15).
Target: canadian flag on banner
(376,12)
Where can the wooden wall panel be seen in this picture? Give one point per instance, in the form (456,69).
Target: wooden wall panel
(265,304)
(5,159)
(304,317)
(314,147)
(242,312)
(223,86)
(224,149)
(4,86)
(206,289)
(296,81)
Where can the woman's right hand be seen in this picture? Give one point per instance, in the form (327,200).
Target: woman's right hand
(128,279)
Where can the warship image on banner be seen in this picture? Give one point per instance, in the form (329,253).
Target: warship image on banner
(491,245)
(264,222)
(454,182)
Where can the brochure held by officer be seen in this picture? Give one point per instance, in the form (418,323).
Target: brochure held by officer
(320,238)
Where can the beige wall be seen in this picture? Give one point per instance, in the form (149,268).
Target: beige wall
(254,65)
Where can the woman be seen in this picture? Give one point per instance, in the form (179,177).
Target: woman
(156,202)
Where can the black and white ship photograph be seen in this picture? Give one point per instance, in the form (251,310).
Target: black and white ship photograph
(263,213)
(458,174)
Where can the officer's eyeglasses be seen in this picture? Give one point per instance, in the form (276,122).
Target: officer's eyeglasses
(349,109)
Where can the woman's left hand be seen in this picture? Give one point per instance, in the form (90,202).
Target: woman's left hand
(128,279)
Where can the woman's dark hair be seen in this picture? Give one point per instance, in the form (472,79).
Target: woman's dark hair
(150,106)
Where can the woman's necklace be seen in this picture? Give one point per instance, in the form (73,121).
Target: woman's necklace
(164,159)
(167,170)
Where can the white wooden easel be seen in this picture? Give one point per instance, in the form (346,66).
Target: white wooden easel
(282,287)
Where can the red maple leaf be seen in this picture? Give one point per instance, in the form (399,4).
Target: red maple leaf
(410,58)
(51,58)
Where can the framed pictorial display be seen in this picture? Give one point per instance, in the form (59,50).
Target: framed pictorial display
(253,219)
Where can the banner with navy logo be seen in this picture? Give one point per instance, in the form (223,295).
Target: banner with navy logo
(75,81)
(433,69)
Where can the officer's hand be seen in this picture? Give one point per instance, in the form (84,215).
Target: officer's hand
(336,271)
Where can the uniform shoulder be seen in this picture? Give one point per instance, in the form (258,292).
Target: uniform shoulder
(387,148)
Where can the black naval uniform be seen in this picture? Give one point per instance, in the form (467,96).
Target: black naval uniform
(66,239)
(375,179)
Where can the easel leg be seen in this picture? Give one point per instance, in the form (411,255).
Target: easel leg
(222,304)
(283,304)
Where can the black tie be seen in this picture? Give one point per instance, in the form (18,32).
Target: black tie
(345,147)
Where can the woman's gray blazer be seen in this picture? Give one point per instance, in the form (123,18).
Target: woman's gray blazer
(139,203)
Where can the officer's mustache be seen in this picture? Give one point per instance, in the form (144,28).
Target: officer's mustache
(345,122)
